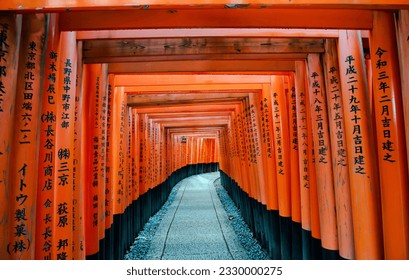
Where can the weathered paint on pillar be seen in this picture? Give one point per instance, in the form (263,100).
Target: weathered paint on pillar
(102,133)
(323,157)
(118,149)
(258,157)
(78,187)
(390,130)
(315,217)
(339,151)
(92,98)
(363,173)
(46,166)
(268,142)
(23,170)
(64,147)
(10,32)
(304,154)
(294,151)
(281,139)
(402,33)
(109,183)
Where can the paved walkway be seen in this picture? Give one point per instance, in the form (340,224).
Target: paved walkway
(196,226)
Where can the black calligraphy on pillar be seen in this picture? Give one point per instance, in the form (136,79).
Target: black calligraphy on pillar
(385,101)
(318,107)
(265,126)
(293,105)
(4,50)
(121,154)
(278,134)
(303,133)
(253,123)
(21,243)
(28,93)
(354,108)
(337,116)
(108,150)
(48,119)
(66,94)
(96,155)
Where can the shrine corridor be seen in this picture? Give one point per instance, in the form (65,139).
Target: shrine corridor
(301,106)
(196,226)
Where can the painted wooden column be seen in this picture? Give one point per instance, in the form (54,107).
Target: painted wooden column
(274,242)
(257,151)
(93,79)
(78,187)
(323,156)
(267,141)
(10,32)
(304,153)
(390,130)
(64,147)
(363,173)
(135,165)
(23,169)
(117,165)
(102,135)
(402,30)
(250,151)
(46,167)
(316,246)
(141,133)
(109,183)
(282,146)
(295,171)
(339,151)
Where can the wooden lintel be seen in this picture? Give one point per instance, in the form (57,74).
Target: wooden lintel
(217,18)
(201,66)
(255,56)
(194,88)
(207,32)
(164,79)
(199,46)
(192,107)
(73,5)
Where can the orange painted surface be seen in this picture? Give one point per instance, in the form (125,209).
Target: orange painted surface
(118,149)
(135,154)
(314,204)
(303,135)
(391,137)
(339,152)
(46,167)
(92,84)
(205,18)
(78,187)
(64,147)
(259,159)
(268,144)
(23,170)
(294,150)
(11,31)
(323,157)
(123,4)
(402,30)
(282,144)
(363,173)
(109,183)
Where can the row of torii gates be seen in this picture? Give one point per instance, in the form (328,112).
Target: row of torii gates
(302,105)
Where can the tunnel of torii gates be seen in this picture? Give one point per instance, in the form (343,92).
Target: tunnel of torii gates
(301,105)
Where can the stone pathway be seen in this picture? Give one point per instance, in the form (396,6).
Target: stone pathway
(196,226)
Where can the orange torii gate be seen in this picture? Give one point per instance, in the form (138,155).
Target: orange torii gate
(104,126)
